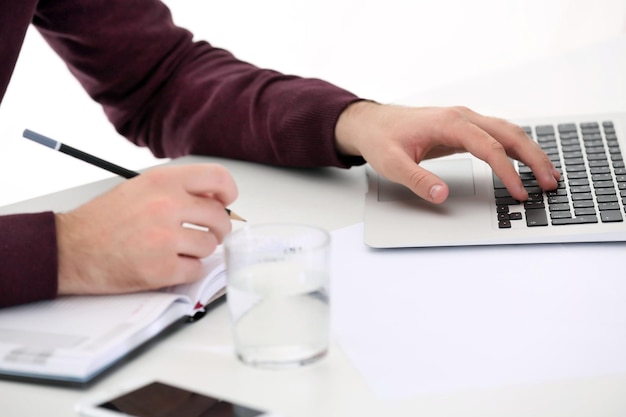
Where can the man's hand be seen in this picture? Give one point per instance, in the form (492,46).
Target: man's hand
(395,139)
(132,238)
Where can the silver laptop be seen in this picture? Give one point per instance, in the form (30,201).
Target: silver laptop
(588,206)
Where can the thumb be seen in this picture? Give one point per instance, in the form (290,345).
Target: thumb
(424,183)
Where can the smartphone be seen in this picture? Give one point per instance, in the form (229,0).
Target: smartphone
(158,399)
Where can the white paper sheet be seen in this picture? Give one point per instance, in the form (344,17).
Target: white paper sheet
(417,321)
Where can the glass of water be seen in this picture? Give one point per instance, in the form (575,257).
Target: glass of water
(278,283)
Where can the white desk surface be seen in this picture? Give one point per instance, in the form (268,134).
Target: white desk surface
(199,356)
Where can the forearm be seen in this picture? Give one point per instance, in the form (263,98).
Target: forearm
(258,115)
(162,90)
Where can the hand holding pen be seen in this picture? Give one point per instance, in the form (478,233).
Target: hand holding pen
(130,238)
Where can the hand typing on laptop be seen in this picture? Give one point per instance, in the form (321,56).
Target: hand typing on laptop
(395,139)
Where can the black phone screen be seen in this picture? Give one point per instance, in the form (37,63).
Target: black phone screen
(162,400)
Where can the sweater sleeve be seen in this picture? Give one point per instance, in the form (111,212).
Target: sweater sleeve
(28,258)
(163,90)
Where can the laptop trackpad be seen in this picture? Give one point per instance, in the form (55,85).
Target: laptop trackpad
(457,173)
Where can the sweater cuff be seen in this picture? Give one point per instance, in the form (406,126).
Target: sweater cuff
(28,258)
(314,113)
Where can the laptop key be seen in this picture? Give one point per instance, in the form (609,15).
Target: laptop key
(575,220)
(608,206)
(504,224)
(600,170)
(603,184)
(506,201)
(580,189)
(560,215)
(558,199)
(605,191)
(607,198)
(502,209)
(502,193)
(536,217)
(580,182)
(529,205)
(610,216)
(557,192)
(587,211)
(602,177)
(533,190)
(559,207)
(576,174)
(583,203)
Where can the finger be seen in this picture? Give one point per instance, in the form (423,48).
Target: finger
(523,148)
(210,179)
(209,213)
(485,147)
(199,179)
(188,269)
(419,180)
(196,243)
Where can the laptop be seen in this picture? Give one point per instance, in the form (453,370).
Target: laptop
(588,206)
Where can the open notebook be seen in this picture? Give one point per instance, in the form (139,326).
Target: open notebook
(588,206)
(75,340)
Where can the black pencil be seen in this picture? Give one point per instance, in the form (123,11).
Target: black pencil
(93,160)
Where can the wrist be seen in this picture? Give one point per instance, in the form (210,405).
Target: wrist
(69,281)
(352,125)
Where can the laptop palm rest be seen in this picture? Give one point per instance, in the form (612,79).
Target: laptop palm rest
(457,173)
(396,217)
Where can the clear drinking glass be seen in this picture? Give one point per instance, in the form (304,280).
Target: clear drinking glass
(278,283)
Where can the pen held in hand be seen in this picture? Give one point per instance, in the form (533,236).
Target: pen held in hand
(93,160)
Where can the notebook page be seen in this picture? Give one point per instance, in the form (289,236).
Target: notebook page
(74,332)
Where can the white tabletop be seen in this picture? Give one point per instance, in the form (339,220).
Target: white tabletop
(200,355)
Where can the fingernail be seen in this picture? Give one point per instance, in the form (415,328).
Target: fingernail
(434,191)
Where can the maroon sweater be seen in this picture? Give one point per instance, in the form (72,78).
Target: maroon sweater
(164,91)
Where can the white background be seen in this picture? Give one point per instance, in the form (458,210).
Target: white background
(379,50)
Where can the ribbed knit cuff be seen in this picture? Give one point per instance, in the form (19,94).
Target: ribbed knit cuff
(28,258)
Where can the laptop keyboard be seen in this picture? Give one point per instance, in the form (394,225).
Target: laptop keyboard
(592,188)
